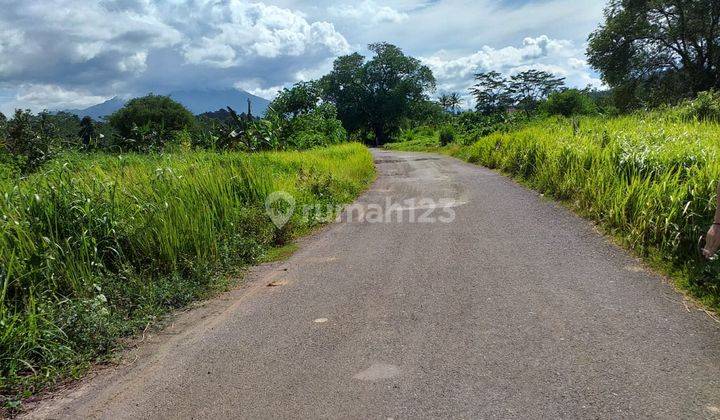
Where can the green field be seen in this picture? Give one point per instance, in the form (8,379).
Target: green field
(647,179)
(97,246)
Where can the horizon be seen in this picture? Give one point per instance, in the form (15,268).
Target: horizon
(74,55)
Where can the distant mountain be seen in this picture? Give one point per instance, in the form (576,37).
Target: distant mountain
(99,111)
(197,101)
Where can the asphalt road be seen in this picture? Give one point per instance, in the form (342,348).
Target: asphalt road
(516,308)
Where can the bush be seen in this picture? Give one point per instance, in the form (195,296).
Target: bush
(568,103)
(447,135)
(149,122)
(706,107)
(319,127)
(29,140)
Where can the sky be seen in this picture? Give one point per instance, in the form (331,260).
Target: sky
(59,54)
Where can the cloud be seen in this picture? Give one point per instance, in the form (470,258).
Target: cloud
(128,47)
(560,57)
(368,12)
(136,46)
(241,31)
(255,87)
(48,96)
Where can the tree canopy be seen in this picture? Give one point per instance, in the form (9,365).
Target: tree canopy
(300,99)
(662,50)
(494,93)
(158,113)
(450,101)
(376,95)
(532,86)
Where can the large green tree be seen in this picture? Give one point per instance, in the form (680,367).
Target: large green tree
(300,99)
(492,93)
(376,95)
(158,113)
(532,86)
(662,48)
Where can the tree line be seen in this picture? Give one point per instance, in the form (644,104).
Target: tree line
(648,53)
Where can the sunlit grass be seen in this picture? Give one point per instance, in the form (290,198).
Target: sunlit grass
(648,179)
(95,247)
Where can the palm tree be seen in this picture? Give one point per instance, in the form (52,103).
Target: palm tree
(454,102)
(444,101)
(450,101)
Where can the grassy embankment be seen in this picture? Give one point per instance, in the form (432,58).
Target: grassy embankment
(93,248)
(647,179)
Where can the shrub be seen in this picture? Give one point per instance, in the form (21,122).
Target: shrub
(149,122)
(447,135)
(319,127)
(568,103)
(706,107)
(29,139)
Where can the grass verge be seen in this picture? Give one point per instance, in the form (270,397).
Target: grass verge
(648,180)
(93,248)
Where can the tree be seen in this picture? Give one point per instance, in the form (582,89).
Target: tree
(29,138)
(450,101)
(569,102)
(345,87)
(155,114)
(660,50)
(376,95)
(492,93)
(87,131)
(302,98)
(3,127)
(532,86)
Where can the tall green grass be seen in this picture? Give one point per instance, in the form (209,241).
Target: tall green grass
(648,179)
(93,248)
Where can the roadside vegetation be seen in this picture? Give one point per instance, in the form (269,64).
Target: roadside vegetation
(107,225)
(95,247)
(640,159)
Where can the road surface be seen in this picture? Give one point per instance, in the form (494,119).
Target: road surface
(516,308)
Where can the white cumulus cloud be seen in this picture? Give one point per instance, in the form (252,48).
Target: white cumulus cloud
(368,12)
(240,31)
(560,57)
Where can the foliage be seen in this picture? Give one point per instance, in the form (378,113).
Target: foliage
(657,51)
(706,107)
(87,131)
(447,135)
(450,101)
(530,87)
(318,127)
(96,246)
(649,178)
(465,128)
(149,122)
(378,94)
(426,113)
(494,93)
(29,139)
(301,99)
(569,102)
